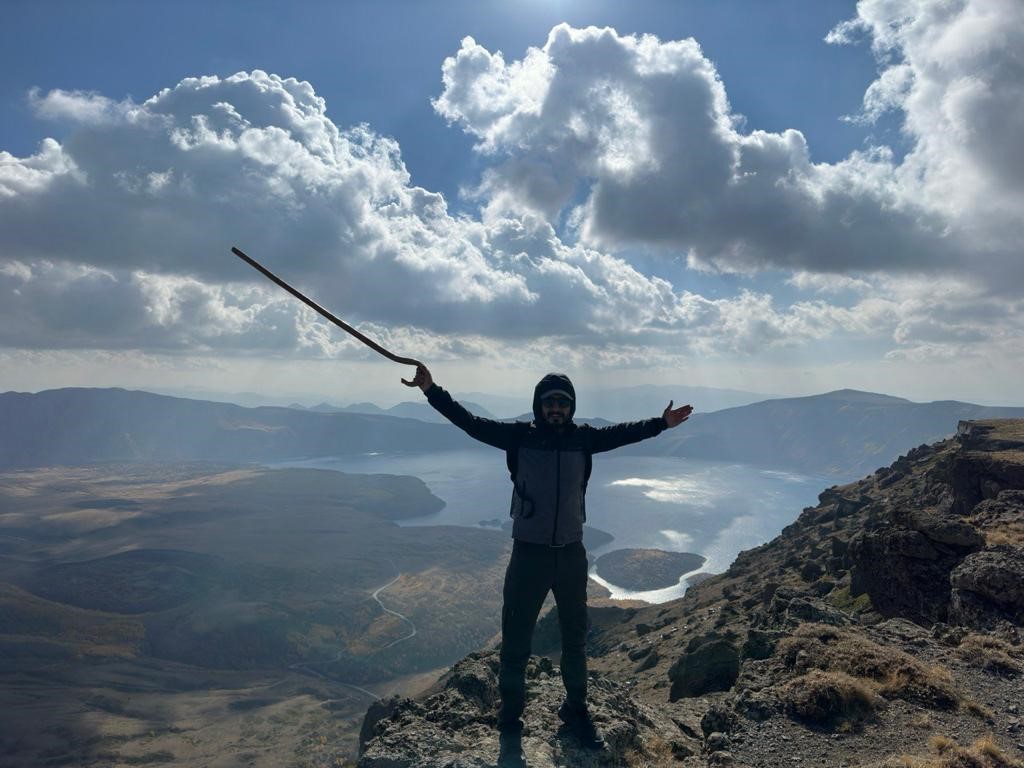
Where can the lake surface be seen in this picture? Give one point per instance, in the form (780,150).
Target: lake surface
(680,505)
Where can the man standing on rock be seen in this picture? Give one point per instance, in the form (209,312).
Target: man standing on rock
(550,462)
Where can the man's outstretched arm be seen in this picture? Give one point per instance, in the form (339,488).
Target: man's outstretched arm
(496,433)
(609,438)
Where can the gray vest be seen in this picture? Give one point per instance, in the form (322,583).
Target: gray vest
(548,504)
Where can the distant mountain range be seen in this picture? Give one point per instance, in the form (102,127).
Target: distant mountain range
(81,426)
(407,410)
(614,403)
(845,433)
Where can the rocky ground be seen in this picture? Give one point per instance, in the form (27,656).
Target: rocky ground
(882,628)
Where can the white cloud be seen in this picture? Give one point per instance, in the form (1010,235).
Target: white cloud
(34,174)
(149,197)
(63,306)
(78,106)
(954,72)
(821,282)
(167,185)
(126,224)
(646,126)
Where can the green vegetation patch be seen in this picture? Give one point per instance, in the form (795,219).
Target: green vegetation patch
(844,601)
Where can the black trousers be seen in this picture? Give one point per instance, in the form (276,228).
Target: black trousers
(533,570)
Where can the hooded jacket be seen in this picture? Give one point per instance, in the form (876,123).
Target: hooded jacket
(549,466)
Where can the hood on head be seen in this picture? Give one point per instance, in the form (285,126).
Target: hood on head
(553,382)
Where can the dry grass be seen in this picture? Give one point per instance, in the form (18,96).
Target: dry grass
(829,698)
(983,753)
(1011,533)
(991,654)
(940,744)
(922,721)
(655,752)
(978,710)
(890,672)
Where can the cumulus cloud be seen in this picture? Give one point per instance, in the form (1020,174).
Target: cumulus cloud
(167,185)
(123,228)
(646,128)
(59,305)
(147,195)
(78,106)
(821,282)
(66,306)
(954,73)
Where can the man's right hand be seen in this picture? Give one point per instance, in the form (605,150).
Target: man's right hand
(422,379)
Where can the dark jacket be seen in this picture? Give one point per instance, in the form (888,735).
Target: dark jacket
(549,468)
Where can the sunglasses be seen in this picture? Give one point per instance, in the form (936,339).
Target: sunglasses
(556,402)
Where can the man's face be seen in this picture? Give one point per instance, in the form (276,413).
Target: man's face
(556,410)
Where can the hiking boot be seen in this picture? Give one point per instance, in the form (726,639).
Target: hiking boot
(579,723)
(510,749)
(513,726)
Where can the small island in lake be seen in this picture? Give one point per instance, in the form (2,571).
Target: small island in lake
(642,570)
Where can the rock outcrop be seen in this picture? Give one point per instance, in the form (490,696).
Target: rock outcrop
(920,555)
(454,727)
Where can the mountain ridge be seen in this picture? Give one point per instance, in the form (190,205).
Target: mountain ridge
(845,433)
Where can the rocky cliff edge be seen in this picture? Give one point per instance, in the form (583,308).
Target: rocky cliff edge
(881,628)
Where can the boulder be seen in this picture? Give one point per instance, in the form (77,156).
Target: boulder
(717,720)
(789,609)
(760,643)
(811,571)
(712,663)
(1004,511)
(988,587)
(649,662)
(945,529)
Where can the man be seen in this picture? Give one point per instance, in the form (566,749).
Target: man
(549,460)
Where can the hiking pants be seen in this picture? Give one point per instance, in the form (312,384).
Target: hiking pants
(533,570)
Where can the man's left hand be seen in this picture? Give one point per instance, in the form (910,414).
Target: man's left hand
(675,416)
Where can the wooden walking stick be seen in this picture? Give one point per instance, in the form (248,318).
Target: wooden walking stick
(324,313)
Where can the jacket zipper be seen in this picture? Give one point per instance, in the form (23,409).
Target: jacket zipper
(558,488)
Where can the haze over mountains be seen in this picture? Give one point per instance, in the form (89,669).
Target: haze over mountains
(626,403)
(404,410)
(844,433)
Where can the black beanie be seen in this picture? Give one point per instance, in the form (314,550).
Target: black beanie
(553,383)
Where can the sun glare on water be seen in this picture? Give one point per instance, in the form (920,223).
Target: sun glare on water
(675,490)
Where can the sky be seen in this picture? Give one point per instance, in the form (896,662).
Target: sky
(788,197)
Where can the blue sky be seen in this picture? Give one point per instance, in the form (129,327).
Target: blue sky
(780,72)
(497,231)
